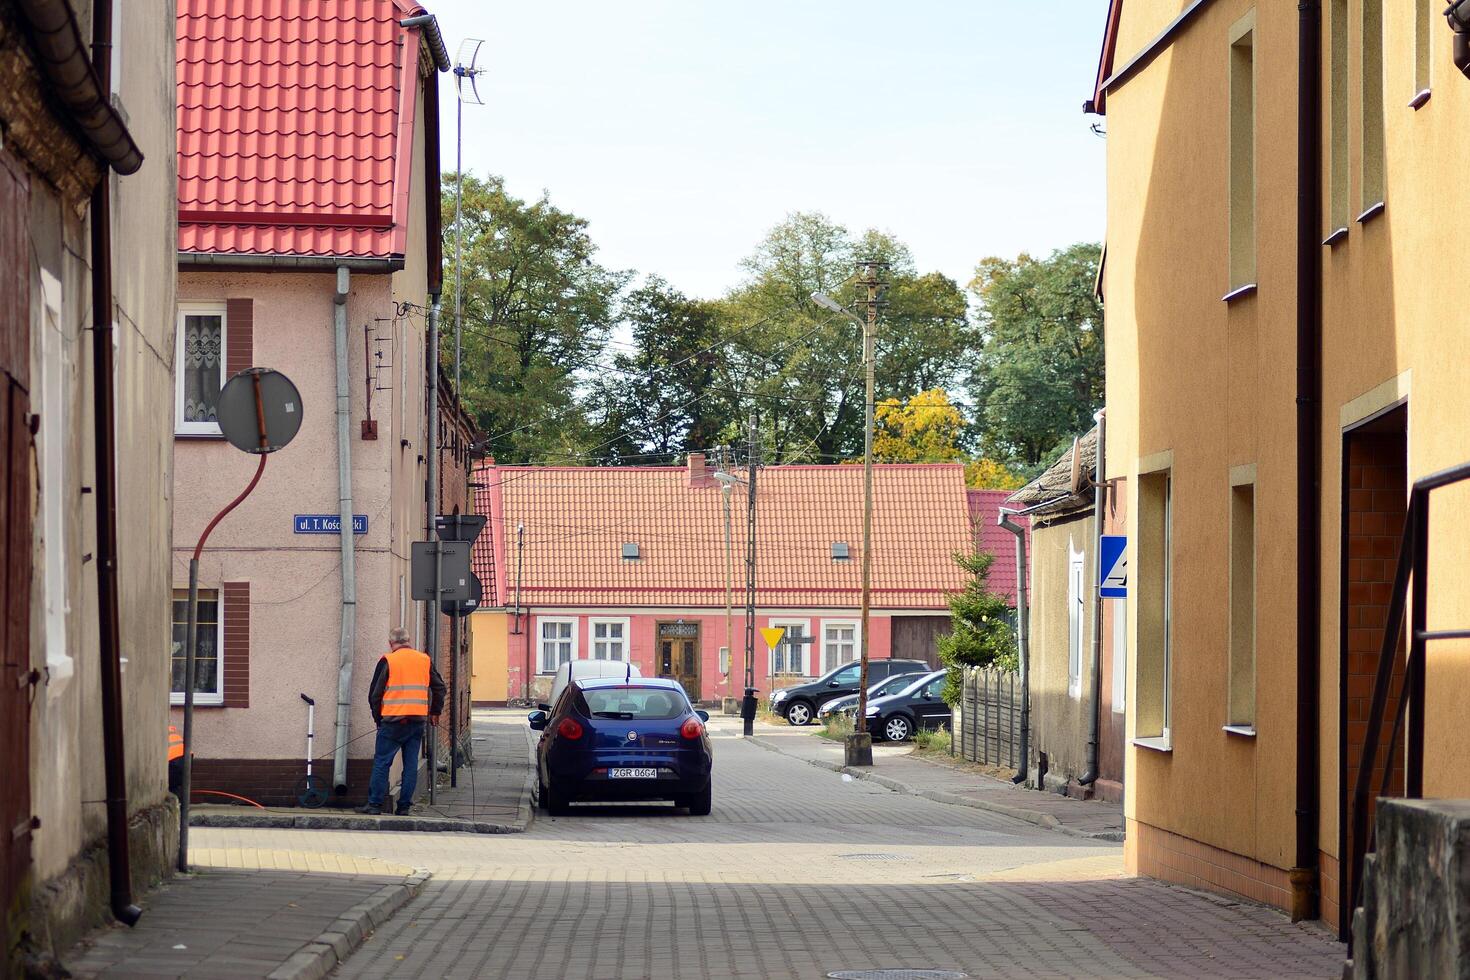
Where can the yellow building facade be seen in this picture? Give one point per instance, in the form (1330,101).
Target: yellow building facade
(1252,641)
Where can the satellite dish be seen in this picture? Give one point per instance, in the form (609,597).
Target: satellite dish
(259,410)
(467,70)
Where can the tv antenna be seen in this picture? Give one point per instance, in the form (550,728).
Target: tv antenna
(466,89)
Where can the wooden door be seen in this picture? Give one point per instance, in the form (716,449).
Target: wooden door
(16,536)
(678,655)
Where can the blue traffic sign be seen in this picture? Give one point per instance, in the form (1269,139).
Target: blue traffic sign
(327,524)
(1112,566)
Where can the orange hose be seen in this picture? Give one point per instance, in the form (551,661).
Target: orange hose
(216,792)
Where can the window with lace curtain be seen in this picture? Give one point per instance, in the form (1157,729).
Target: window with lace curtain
(200,369)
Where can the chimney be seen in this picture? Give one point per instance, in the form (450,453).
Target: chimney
(699,475)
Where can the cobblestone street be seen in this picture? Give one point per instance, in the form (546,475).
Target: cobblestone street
(799,872)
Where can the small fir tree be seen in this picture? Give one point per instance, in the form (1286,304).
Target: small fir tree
(981,634)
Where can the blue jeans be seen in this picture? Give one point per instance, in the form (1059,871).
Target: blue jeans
(393,737)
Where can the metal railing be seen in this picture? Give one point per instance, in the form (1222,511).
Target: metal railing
(1412,572)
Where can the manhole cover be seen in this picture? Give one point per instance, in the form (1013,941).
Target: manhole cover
(898,975)
(871,857)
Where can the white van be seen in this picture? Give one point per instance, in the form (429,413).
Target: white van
(583,669)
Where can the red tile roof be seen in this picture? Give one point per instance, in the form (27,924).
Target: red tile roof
(578,518)
(295,122)
(990,536)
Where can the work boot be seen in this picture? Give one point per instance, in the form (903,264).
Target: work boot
(371,809)
(403,811)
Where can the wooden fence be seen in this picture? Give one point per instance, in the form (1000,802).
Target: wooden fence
(990,718)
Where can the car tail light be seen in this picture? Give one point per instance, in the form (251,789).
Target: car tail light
(569,728)
(693,728)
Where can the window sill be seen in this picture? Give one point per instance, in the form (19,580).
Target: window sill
(1241,731)
(1372,213)
(1418,101)
(1156,743)
(1338,235)
(1239,292)
(216,435)
(205,701)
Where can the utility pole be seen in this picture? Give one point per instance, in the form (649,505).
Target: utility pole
(860,743)
(747,708)
(725,491)
(516,616)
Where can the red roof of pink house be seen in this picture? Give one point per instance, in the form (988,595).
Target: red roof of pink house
(577,520)
(990,536)
(295,126)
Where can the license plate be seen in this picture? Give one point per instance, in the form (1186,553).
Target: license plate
(632,774)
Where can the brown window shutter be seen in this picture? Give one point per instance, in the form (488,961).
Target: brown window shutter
(235,597)
(239,335)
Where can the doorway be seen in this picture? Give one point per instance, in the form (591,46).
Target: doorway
(678,655)
(1375,494)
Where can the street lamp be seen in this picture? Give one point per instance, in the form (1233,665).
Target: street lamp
(860,742)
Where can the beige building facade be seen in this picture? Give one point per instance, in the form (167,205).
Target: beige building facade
(58,173)
(1256,613)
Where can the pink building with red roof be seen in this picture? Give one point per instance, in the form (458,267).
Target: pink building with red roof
(308,241)
(630,563)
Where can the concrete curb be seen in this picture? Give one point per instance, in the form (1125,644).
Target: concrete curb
(1037,817)
(525,812)
(322,955)
(331,821)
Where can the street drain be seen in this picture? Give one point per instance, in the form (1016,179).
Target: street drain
(871,857)
(898,975)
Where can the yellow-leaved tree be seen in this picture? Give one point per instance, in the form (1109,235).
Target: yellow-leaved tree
(924,429)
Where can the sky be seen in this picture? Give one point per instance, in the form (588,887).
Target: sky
(682,130)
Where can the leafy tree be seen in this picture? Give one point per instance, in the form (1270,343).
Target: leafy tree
(1040,373)
(924,429)
(988,474)
(537,312)
(668,396)
(981,633)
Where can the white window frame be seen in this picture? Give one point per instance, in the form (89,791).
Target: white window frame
(217,696)
(857,641)
(54,480)
(1076,617)
(182,428)
(802,652)
(541,622)
(625,622)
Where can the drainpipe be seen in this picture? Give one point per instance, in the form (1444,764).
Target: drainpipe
(109,626)
(1023,636)
(1308,460)
(1099,502)
(345,644)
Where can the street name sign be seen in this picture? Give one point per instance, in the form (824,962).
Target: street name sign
(327,524)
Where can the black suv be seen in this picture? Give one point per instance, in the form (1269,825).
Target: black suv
(799,705)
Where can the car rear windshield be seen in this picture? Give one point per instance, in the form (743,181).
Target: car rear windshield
(632,703)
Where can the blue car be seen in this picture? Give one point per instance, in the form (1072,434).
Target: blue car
(620,739)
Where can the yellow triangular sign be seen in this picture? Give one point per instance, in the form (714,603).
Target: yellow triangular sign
(773,635)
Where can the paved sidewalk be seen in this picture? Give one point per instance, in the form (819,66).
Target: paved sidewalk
(899,768)
(250,912)
(493,795)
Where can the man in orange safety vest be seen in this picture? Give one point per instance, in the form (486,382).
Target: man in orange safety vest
(175,760)
(406,690)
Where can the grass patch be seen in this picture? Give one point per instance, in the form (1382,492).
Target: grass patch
(932,740)
(837,729)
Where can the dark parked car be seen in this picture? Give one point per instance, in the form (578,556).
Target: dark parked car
(800,704)
(610,738)
(848,705)
(919,705)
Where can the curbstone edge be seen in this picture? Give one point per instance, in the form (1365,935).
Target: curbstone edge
(322,955)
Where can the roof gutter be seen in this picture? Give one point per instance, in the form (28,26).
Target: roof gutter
(430,24)
(1303,877)
(249,262)
(75,81)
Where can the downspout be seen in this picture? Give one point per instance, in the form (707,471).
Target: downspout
(1023,636)
(345,643)
(109,625)
(1308,462)
(1099,503)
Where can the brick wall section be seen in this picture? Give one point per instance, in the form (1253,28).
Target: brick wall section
(235,600)
(1376,508)
(239,335)
(276,782)
(1327,882)
(1158,853)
